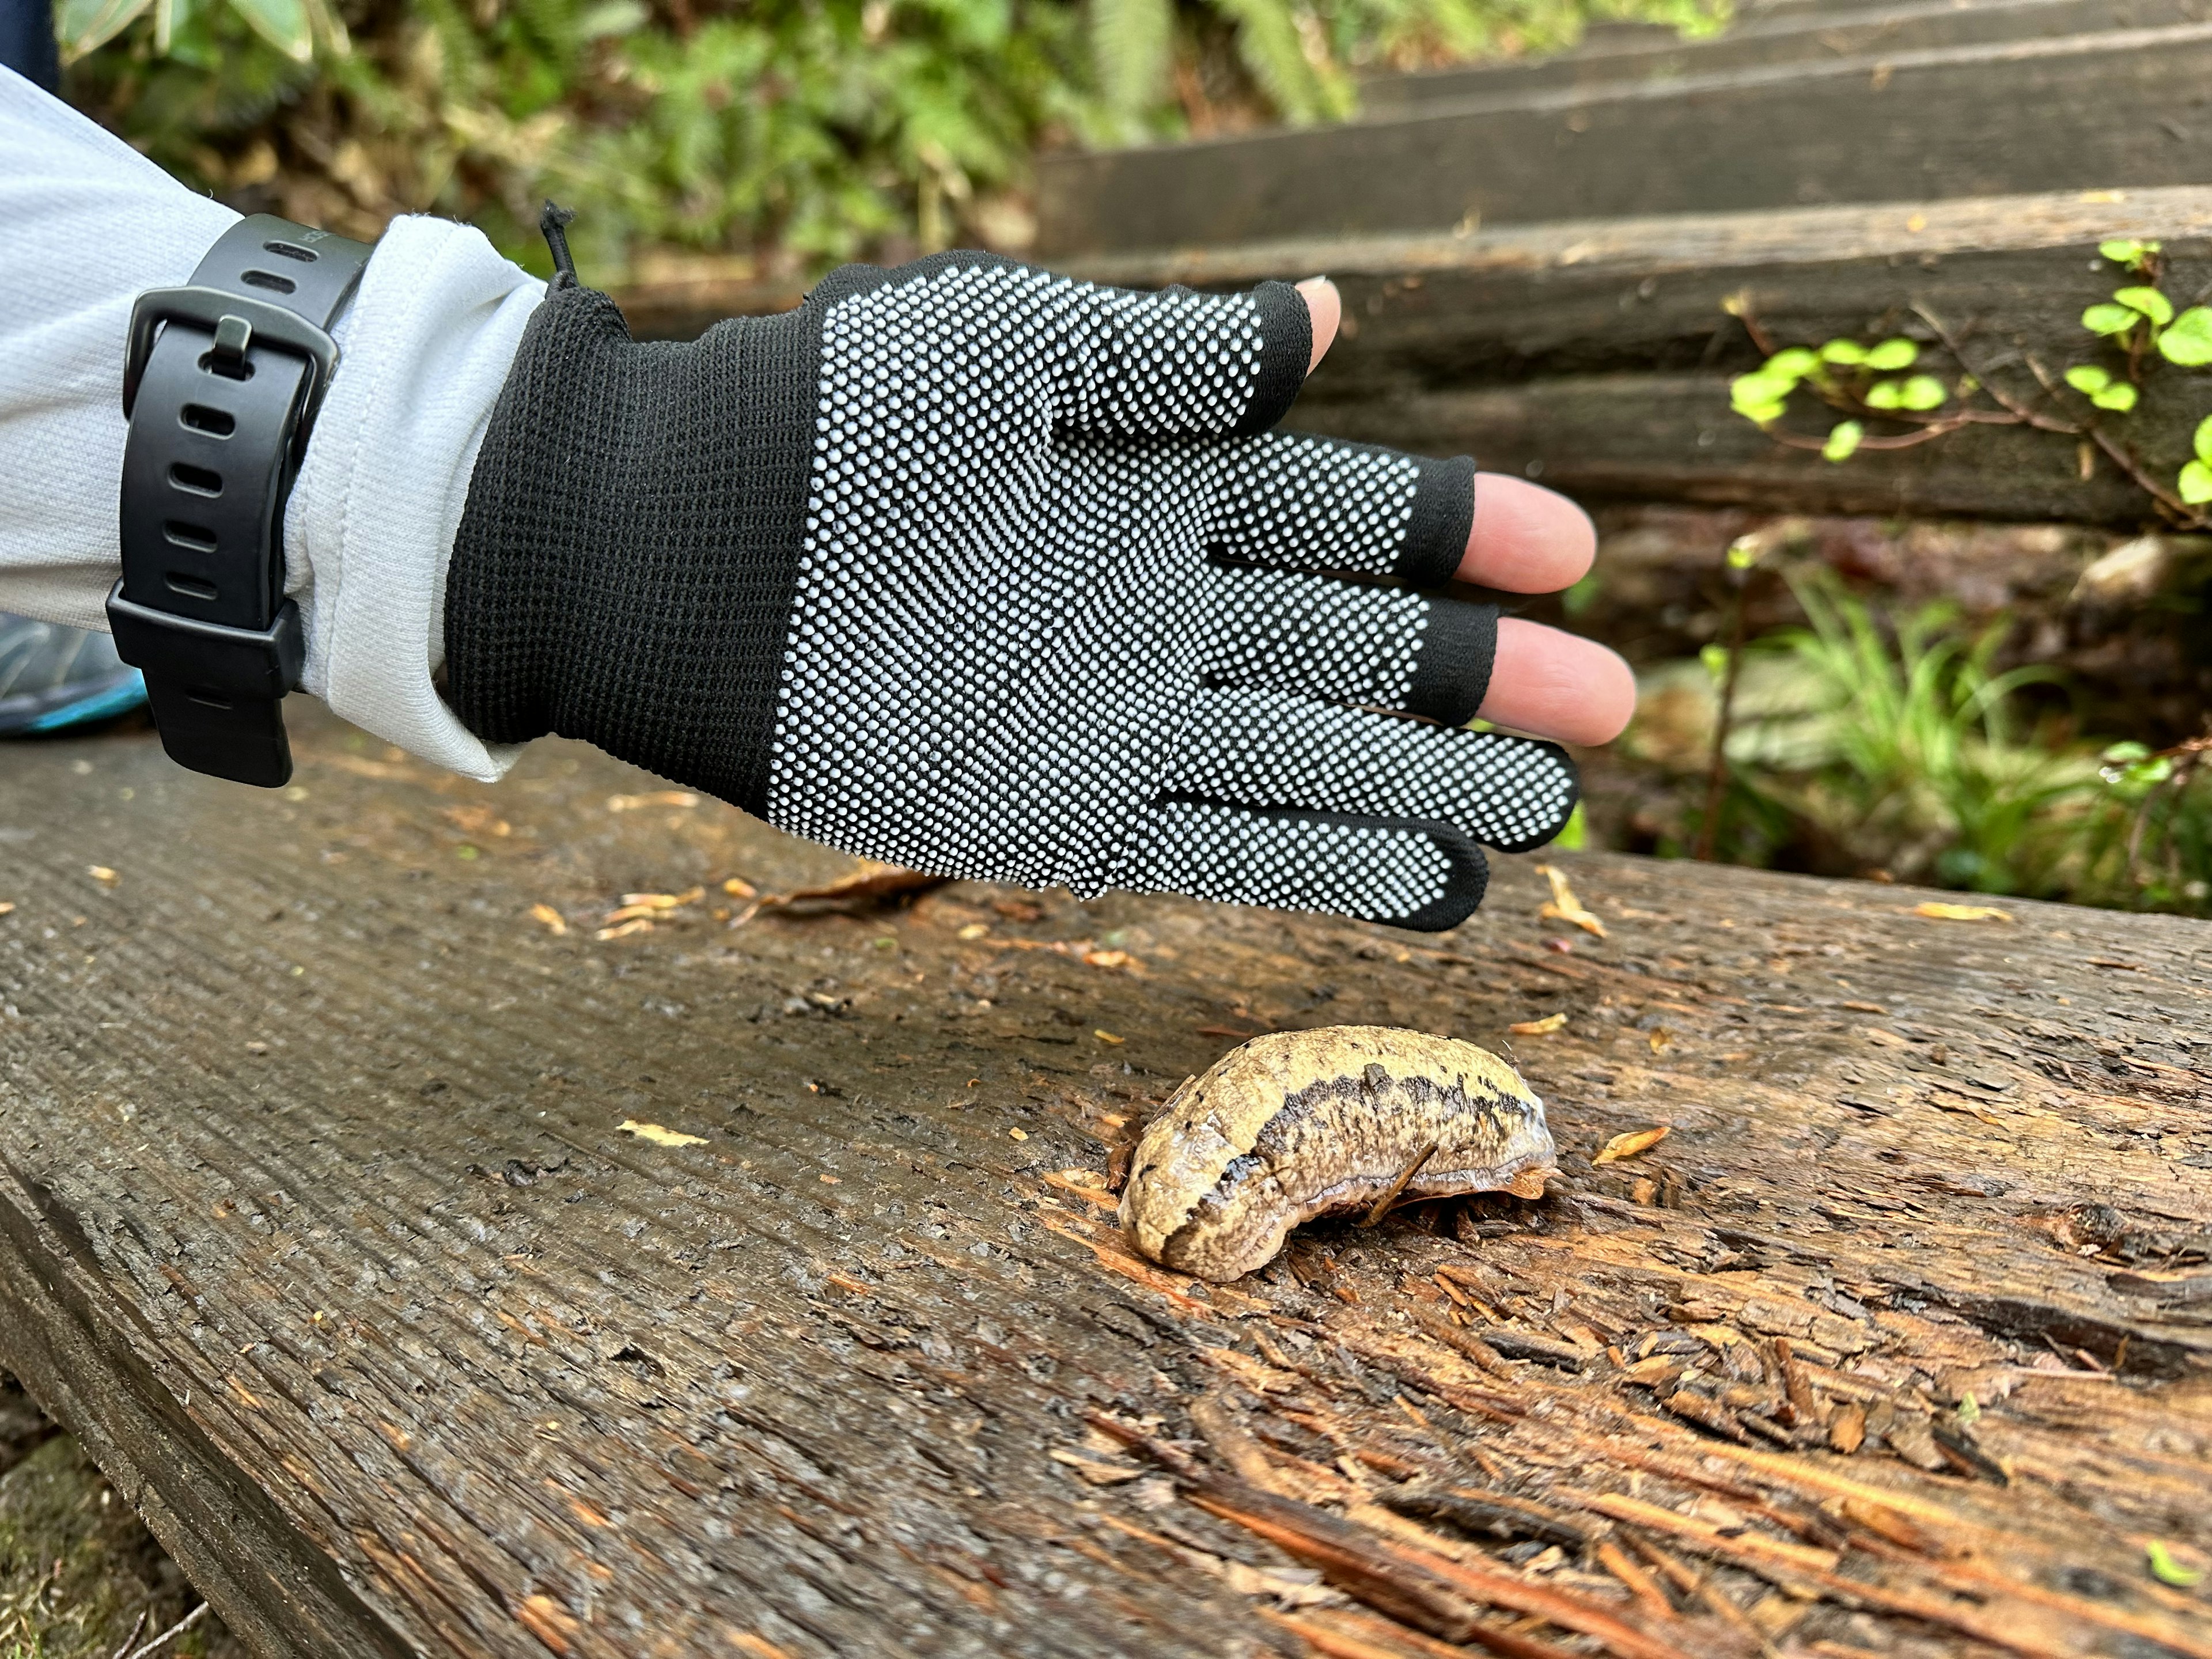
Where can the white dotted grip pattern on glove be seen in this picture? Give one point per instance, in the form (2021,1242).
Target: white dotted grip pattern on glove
(1053,624)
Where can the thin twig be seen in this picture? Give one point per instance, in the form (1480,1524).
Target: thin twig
(2172,504)
(173,1630)
(1716,767)
(139,1624)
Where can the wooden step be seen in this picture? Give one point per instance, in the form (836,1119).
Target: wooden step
(1801,34)
(1596,355)
(438,1285)
(2109,109)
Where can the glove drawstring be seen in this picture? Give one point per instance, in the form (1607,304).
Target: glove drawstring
(551,224)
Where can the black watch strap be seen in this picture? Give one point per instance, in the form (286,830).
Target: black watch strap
(220,386)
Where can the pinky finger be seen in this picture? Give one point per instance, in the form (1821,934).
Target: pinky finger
(1410,873)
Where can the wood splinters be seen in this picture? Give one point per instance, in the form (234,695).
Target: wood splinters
(1641,1584)
(1847,1428)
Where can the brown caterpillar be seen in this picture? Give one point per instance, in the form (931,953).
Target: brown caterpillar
(1301,1124)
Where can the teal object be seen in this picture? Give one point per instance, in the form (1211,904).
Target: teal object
(53,677)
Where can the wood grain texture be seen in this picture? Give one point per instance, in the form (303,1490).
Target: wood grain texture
(2116,109)
(1756,41)
(319,1226)
(1596,354)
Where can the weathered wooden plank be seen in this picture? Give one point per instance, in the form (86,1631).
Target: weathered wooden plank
(318,1223)
(2122,108)
(1597,354)
(1795,35)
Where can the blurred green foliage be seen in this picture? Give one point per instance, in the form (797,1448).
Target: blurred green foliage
(778,135)
(1871,741)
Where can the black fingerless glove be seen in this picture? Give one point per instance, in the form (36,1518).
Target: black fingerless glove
(975,569)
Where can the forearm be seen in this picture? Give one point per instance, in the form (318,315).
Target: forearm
(369,525)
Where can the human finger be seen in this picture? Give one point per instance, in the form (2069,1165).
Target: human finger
(1526,538)
(1558,685)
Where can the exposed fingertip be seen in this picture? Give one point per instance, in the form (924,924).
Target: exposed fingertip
(1325,309)
(1526,538)
(1557,685)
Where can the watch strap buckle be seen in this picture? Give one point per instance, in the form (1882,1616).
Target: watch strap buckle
(237,322)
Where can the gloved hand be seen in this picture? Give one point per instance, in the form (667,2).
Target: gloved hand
(994,573)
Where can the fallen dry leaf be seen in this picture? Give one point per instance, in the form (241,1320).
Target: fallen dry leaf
(1936,911)
(555,922)
(1659,1037)
(1630,1143)
(867,887)
(1543,1027)
(657,797)
(652,905)
(637,925)
(6,905)
(1564,906)
(1108,1036)
(659,1136)
(975,930)
(738,887)
(1847,1428)
(101,873)
(1018,1135)
(1108,958)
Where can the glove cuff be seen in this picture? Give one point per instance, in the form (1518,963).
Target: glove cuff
(625,566)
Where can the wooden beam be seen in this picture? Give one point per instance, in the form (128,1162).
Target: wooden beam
(1801,35)
(2122,108)
(1596,355)
(325,1220)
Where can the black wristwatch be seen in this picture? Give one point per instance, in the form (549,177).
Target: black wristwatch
(221,387)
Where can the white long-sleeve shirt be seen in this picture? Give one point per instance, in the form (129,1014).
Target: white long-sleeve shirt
(86,223)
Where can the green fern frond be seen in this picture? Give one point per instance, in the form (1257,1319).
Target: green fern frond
(1285,51)
(1132,44)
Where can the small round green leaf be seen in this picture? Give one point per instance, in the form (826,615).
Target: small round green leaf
(1843,441)
(2149,301)
(2110,319)
(1759,397)
(1716,659)
(2195,484)
(2088,379)
(1923,392)
(2201,443)
(2121,251)
(1892,354)
(2120,397)
(2126,752)
(1794,364)
(1850,353)
(1886,394)
(2189,341)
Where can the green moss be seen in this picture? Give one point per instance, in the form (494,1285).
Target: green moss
(77,1567)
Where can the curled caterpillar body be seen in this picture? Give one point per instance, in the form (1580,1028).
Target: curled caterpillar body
(1302,1124)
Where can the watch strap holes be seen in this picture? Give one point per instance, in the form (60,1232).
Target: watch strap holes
(231,369)
(269,280)
(215,423)
(196,479)
(289,251)
(192,587)
(197,537)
